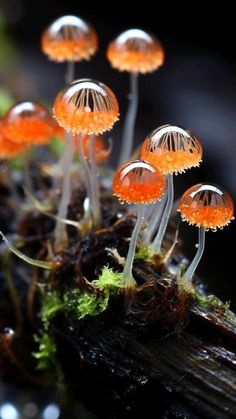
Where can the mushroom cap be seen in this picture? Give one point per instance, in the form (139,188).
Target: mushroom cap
(69,38)
(135,51)
(172,149)
(206,205)
(138,182)
(8,148)
(28,123)
(86,106)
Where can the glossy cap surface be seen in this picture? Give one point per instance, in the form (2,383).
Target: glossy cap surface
(9,149)
(138,182)
(28,123)
(86,106)
(69,38)
(135,51)
(206,205)
(172,149)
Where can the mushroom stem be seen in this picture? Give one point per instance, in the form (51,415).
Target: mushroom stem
(27,174)
(35,262)
(60,229)
(85,172)
(70,71)
(127,272)
(193,265)
(128,132)
(95,202)
(157,242)
(154,219)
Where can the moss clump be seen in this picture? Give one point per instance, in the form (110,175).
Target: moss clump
(109,280)
(46,352)
(84,304)
(212,302)
(144,252)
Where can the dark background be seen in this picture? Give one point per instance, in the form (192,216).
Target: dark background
(195,88)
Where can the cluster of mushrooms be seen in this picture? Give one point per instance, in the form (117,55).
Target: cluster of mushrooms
(83,110)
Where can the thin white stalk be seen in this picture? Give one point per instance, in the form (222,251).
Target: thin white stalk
(61,239)
(26,169)
(193,265)
(157,243)
(128,132)
(127,272)
(35,262)
(95,201)
(154,219)
(84,169)
(70,71)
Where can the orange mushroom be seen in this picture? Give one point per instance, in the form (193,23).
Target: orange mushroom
(137,52)
(137,182)
(9,149)
(208,207)
(172,149)
(27,123)
(86,107)
(69,38)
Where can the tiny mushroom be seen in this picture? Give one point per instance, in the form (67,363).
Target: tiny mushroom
(171,149)
(87,107)
(137,182)
(69,38)
(136,52)
(208,207)
(28,123)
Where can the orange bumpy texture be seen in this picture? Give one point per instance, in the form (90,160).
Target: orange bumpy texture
(69,39)
(138,182)
(87,107)
(28,123)
(206,205)
(135,51)
(172,151)
(8,149)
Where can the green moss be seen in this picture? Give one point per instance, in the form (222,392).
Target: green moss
(84,304)
(144,252)
(51,305)
(56,147)
(109,280)
(46,352)
(212,302)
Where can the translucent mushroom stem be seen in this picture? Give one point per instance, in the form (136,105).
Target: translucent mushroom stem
(154,219)
(84,170)
(193,265)
(157,242)
(127,272)
(128,132)
(95,201)
(70,71)
(60,229)
(35,262)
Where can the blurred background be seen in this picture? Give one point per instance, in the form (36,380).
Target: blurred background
(196,88)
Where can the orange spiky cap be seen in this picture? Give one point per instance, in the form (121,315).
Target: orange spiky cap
(86,106)
(138,182)
(206,205)
(69,38)
(28,123)
(9,149)
(135,51)
(172,149)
